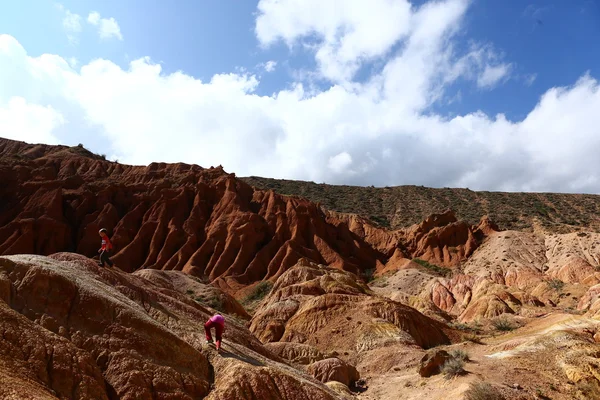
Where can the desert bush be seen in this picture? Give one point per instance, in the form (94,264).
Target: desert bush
(453,368)
(503,324)
(432,267)
(216,303)
(259,292)
(588,389)
(482,391)
(459,354)
(380,282)
(556,284)
(369,274)
(460,326)
(470,337)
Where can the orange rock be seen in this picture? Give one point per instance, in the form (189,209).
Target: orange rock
(72,330)
(332,311)
(334,369)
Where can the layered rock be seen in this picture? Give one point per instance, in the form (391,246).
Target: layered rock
(334,369)
(204,222)
(329,309)
(164,216)
(71,330)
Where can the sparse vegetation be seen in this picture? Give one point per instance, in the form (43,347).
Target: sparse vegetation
(369,275)
(403,206)
(432,267)
(503,324)
(380,282)
(215,302)
(453,367)
(258,293)
(588,389)
(459,354)
(480,390)
(460,326)
(556,284)
(471,337)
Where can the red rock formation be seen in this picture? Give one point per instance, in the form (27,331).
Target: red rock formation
(441,239)
(330,310)
(164,216)
(204,222)
(71,330)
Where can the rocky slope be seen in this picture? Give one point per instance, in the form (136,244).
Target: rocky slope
(71,330)
(403,206)
(204,222)
(174,217)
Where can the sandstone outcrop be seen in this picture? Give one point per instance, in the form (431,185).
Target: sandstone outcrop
(72,330)
(330,310)
(334,369)
(204,222)
(182,217)
(432,363)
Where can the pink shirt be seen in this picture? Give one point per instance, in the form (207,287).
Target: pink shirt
(218,319)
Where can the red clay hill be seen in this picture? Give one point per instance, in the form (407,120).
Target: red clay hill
(204,222)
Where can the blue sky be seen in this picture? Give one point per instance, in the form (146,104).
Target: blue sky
(343,68)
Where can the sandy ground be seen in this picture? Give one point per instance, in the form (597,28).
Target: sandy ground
(534,375)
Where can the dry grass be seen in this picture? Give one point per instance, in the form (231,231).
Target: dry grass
(473,338)
(588,389)
(258,293)
(482,391)
(453,367)
(503,324)
(459,354)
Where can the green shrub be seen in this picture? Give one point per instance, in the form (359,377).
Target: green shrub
(471,337)
(259,292)
(459,354)
(369,274)
(503,324)
(216,303)
(432,267)
(453,368)
(482,391)
(556,284)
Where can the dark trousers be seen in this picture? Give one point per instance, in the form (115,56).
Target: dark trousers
(104,258)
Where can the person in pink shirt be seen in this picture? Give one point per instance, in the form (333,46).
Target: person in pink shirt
(218,322)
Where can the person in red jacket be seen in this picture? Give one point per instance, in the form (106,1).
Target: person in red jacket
(105,249)
(218,322)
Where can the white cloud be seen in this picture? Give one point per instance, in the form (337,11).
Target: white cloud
(492,75)
(72,25)
(20,120)
(107,27)
(379,131)
(347,32)
(269,66)
(340,163)
(94,18)
(529,79)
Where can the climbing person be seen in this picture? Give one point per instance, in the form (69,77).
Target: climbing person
(105,249)
(218,322)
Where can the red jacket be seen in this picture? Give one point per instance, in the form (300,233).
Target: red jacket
(106,244)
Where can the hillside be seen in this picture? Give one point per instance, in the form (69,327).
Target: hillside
(205,222)
(402,206)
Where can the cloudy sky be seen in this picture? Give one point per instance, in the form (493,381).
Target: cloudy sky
(493,95)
